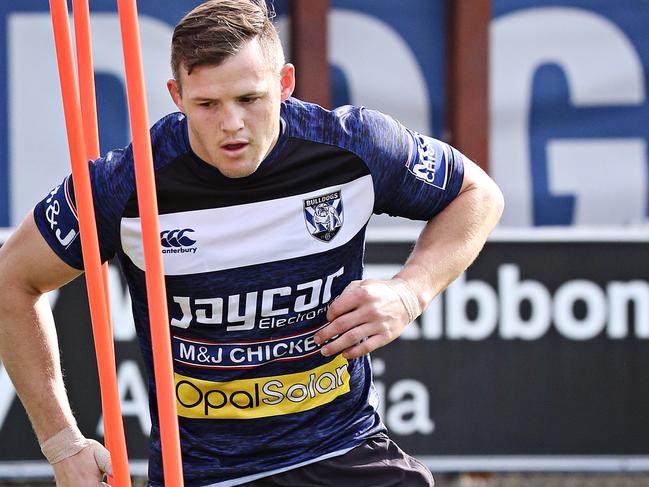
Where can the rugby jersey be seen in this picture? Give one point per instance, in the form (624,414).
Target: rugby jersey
(251,266)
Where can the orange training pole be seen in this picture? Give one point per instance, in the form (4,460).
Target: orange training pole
(148,207)
(85,70)
(89,240)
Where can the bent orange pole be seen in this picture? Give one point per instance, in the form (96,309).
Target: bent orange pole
(89,240)
(154,272)
(86,77)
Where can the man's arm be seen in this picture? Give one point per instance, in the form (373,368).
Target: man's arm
(371,313)
(28,343)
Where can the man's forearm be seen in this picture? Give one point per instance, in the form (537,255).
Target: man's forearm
(369,314)
(451,241)
(30,353)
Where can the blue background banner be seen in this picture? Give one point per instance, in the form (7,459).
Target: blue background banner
(568,142)
(384,61)
(568,103)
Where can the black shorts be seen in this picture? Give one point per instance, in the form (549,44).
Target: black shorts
(378,462)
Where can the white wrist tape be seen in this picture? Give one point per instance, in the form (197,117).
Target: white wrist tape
(69,442)
(407,296)
(64,444)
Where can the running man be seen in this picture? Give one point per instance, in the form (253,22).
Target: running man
(270,317)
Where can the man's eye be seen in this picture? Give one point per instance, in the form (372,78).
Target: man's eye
(205,104)
(249,99)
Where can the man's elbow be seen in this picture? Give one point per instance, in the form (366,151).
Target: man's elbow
(16,291)
(487,198)
(495,199)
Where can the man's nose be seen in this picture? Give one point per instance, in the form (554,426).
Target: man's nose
(231,119)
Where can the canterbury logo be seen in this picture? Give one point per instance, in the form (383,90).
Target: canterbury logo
(176,238)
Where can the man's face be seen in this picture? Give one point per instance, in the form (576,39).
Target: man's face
(233,109)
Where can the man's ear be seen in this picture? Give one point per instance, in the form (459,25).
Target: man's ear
(174,91)
(287,81)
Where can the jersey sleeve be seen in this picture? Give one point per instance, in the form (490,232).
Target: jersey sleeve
(414,176)
(56,216)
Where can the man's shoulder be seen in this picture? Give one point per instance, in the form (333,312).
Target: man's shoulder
(171,125)
(357,129)
(169,138)
(342,126)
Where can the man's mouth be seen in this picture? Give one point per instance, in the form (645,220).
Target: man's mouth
(234,148)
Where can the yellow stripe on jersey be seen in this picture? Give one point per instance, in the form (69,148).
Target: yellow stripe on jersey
(262,396)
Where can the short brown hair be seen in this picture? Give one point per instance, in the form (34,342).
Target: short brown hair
(217,29)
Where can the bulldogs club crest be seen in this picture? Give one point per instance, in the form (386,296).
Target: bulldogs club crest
(324,215)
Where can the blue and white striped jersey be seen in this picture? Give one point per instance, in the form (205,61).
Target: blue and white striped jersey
(251,267)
